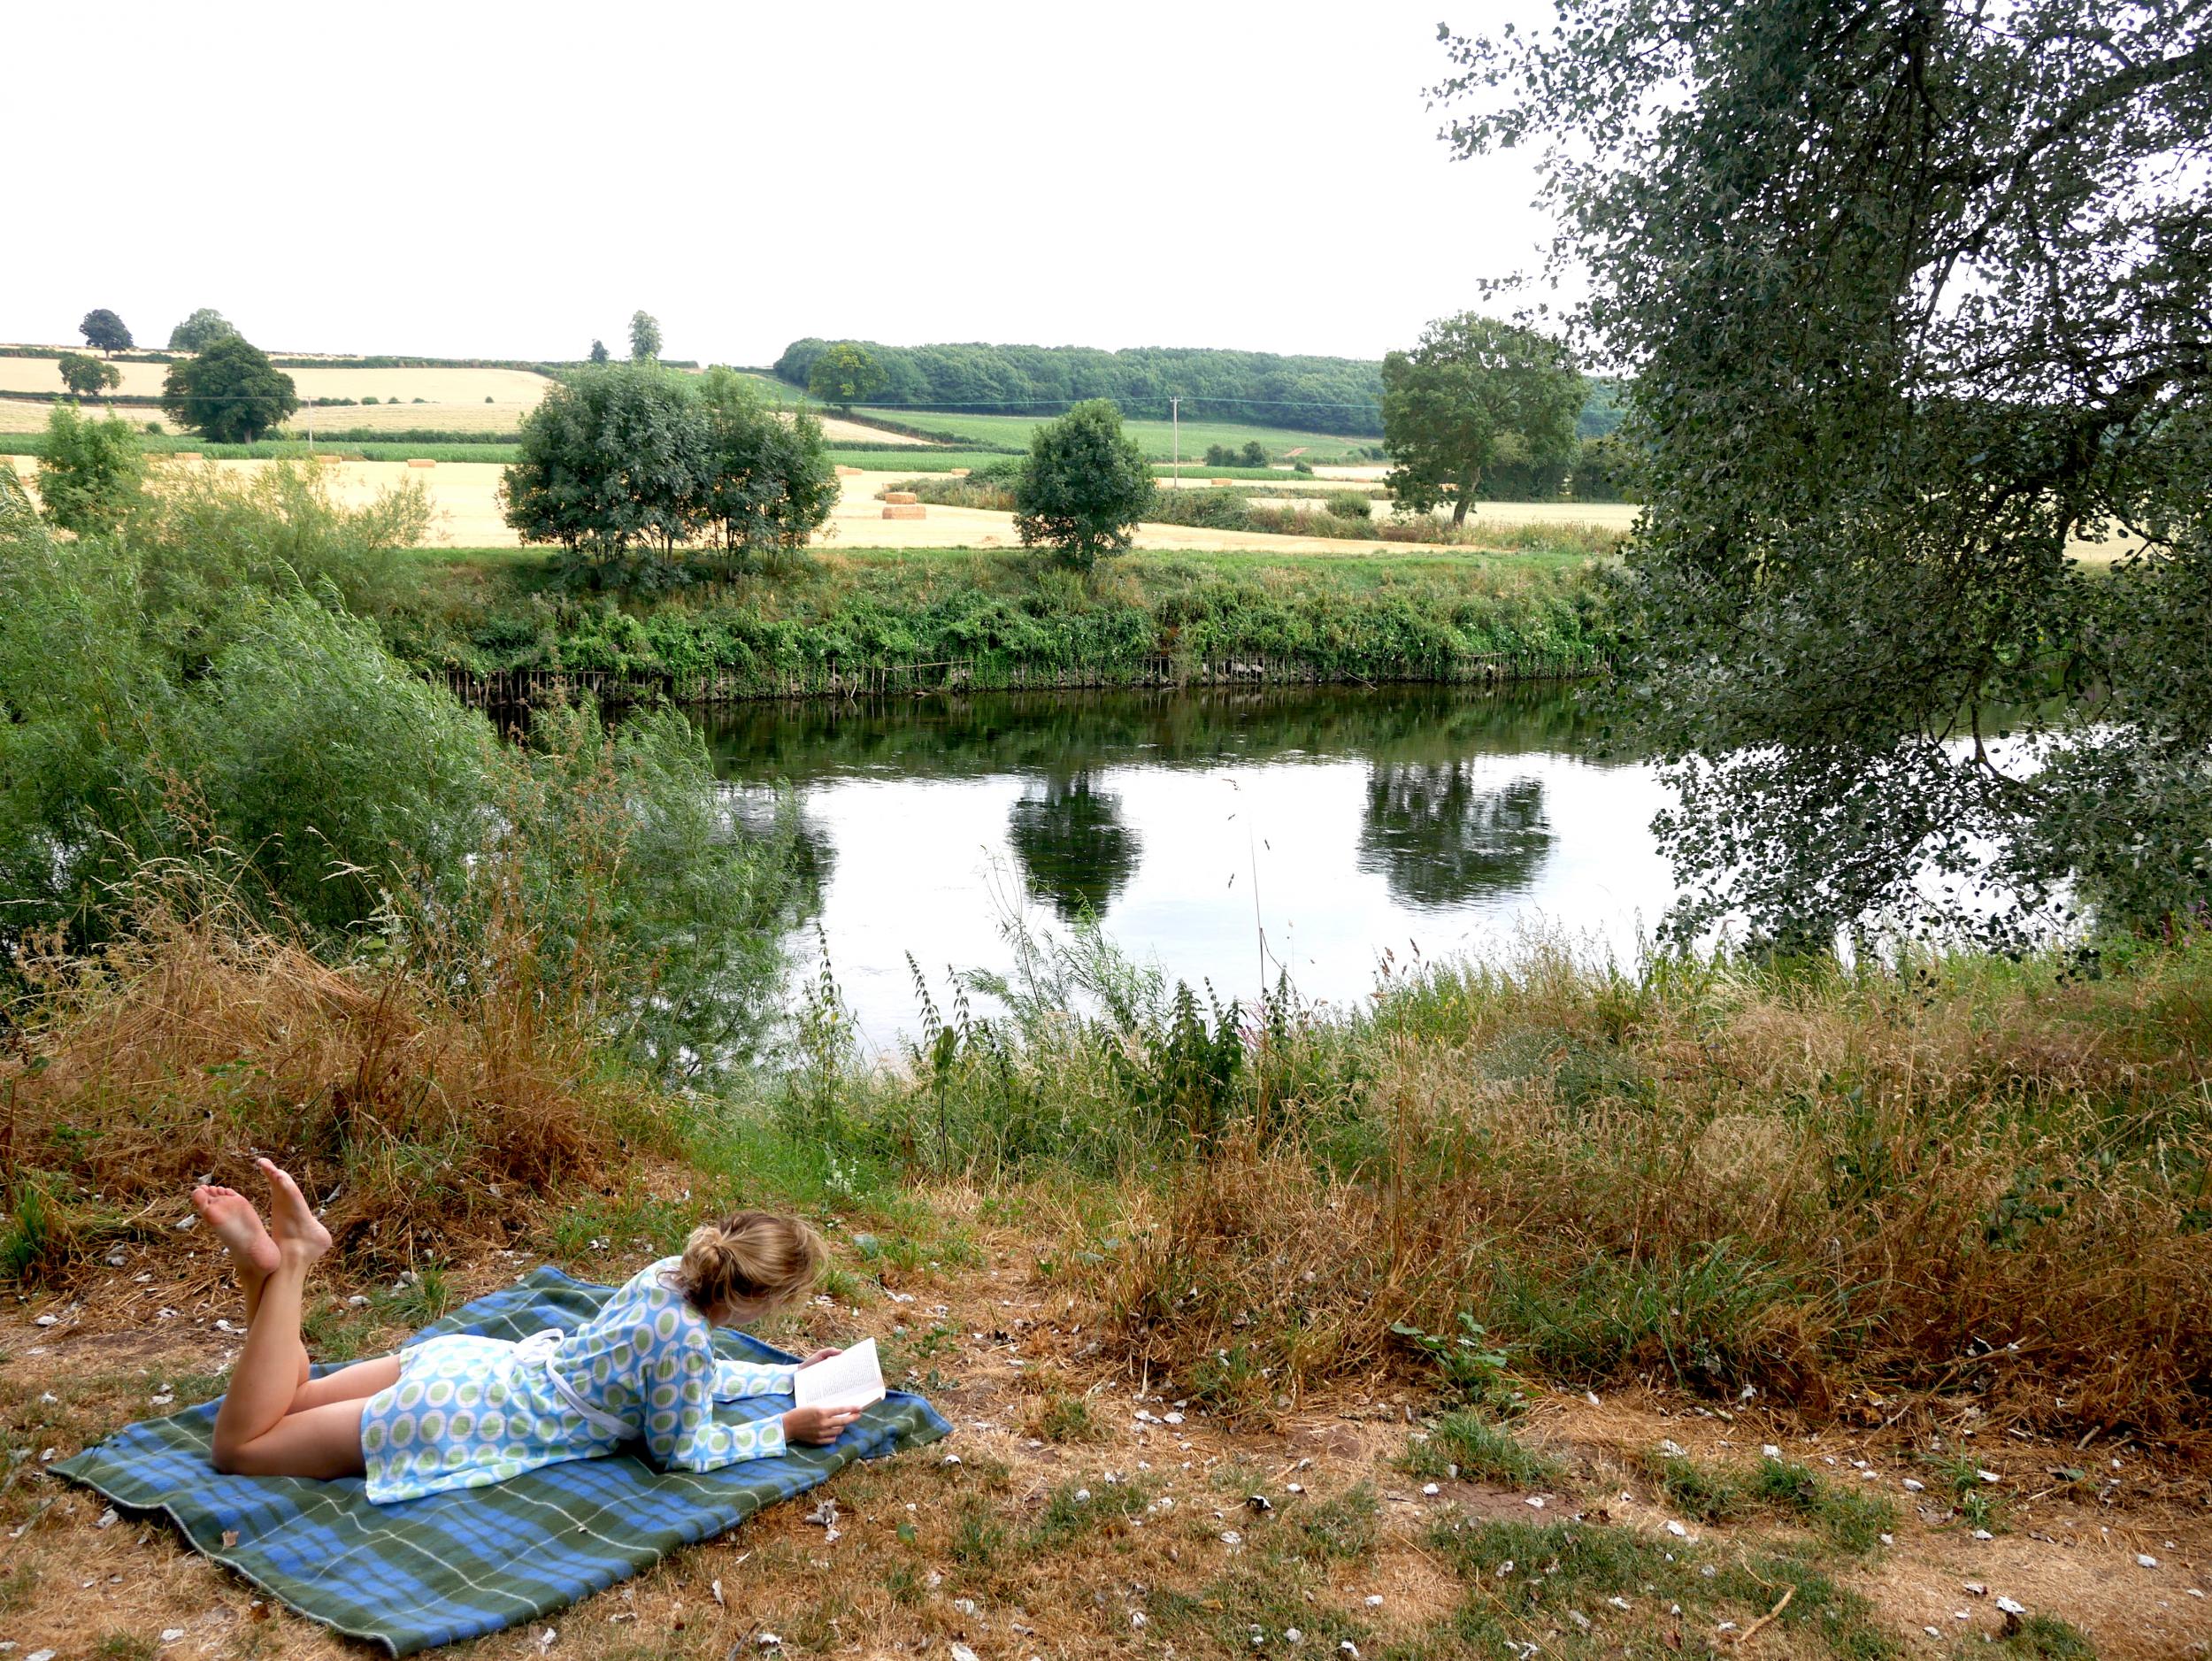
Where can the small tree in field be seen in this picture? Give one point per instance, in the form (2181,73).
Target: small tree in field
(200,331)
(599,351)
(645,338)
(87,376)
(1474,395)
(770,482)
(105,332)
(89,472)
(845,375)
(230,392)
(1085,486)
(612,457)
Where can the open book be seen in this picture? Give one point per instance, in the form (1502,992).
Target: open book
(853,1378)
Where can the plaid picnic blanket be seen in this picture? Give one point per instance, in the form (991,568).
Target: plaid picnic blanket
(459,1565)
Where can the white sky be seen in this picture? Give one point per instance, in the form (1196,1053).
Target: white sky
(475,179)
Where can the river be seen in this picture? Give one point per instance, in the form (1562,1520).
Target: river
(1222,833)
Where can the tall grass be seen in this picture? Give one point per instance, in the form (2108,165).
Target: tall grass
(1968,1177)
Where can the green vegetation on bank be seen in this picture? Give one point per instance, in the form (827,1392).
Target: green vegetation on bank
(999,613)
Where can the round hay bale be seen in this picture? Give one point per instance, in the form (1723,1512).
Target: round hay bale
(906,511)
(418,461)
(900,495)
(955,473)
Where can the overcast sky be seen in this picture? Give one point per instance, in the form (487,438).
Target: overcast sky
(474,180)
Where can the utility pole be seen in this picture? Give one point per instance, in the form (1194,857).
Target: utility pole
(1175,420)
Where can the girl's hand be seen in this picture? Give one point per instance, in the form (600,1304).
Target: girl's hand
(820,1355)
(819,1426)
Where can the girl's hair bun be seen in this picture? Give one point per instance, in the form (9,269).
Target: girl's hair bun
(761,1256)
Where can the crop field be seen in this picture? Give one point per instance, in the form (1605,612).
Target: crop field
(517,389)
(1011,432)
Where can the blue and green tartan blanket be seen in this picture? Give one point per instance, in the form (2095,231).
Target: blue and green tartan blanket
(462,1563)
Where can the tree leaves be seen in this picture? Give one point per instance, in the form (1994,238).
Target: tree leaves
(1915,297)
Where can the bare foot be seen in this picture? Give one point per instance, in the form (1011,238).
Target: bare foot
(291,1219)
(230,1217)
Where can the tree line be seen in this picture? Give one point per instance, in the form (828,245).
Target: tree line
(1325,395)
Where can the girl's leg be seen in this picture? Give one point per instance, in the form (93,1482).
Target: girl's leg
(356,1383)
(230,1217)
(321,1442)
(267,1376)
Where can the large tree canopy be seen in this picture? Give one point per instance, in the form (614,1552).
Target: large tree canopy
(200,331)
(105,332)
(1916,294)
(229,391)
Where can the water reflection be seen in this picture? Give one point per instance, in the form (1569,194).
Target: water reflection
(1440,835)
(1074,851)
(1332,825)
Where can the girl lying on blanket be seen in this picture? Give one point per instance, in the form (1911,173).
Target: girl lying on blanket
(460,1412)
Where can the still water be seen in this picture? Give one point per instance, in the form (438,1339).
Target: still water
(1225,834)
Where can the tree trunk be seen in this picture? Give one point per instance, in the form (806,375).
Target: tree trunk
(1463,496)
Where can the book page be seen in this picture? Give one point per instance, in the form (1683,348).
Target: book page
(853,1378)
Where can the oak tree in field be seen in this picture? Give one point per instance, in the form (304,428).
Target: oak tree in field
(645,338)
(89,472)
(1913,293)
(228,392)
(846,374)
(1083,487)
(1474,394)
(86,375)
(599,351)
(200,331)
(105,332)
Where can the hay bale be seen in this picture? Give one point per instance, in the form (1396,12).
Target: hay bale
(1223,482)
(906,511)
(328,456)
(188,454)
(900,496)
(955,473)
(418,461)
(844,471)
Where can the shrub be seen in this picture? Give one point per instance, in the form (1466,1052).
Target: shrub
(1350,504)
(1253,454)
(90,473)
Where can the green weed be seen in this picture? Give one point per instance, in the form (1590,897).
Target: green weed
(1469,1445)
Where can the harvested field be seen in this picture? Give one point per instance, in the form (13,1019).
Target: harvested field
(517,389)
(465,513)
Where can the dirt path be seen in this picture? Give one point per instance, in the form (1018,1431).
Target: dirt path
(1086,1514)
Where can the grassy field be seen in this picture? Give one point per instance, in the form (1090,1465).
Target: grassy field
(1011,432)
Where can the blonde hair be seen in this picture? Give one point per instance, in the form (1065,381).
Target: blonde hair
(758,1256)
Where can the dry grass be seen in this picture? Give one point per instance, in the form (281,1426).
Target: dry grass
(423,1104)
(1809,1191)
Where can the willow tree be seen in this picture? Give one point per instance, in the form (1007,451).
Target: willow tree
(1917,297)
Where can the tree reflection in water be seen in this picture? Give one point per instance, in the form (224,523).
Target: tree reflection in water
(1073,848)
(1439,835)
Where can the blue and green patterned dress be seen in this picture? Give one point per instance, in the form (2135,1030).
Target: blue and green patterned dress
(469,1411)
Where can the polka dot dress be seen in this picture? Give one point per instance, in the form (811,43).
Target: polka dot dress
(469,1411)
